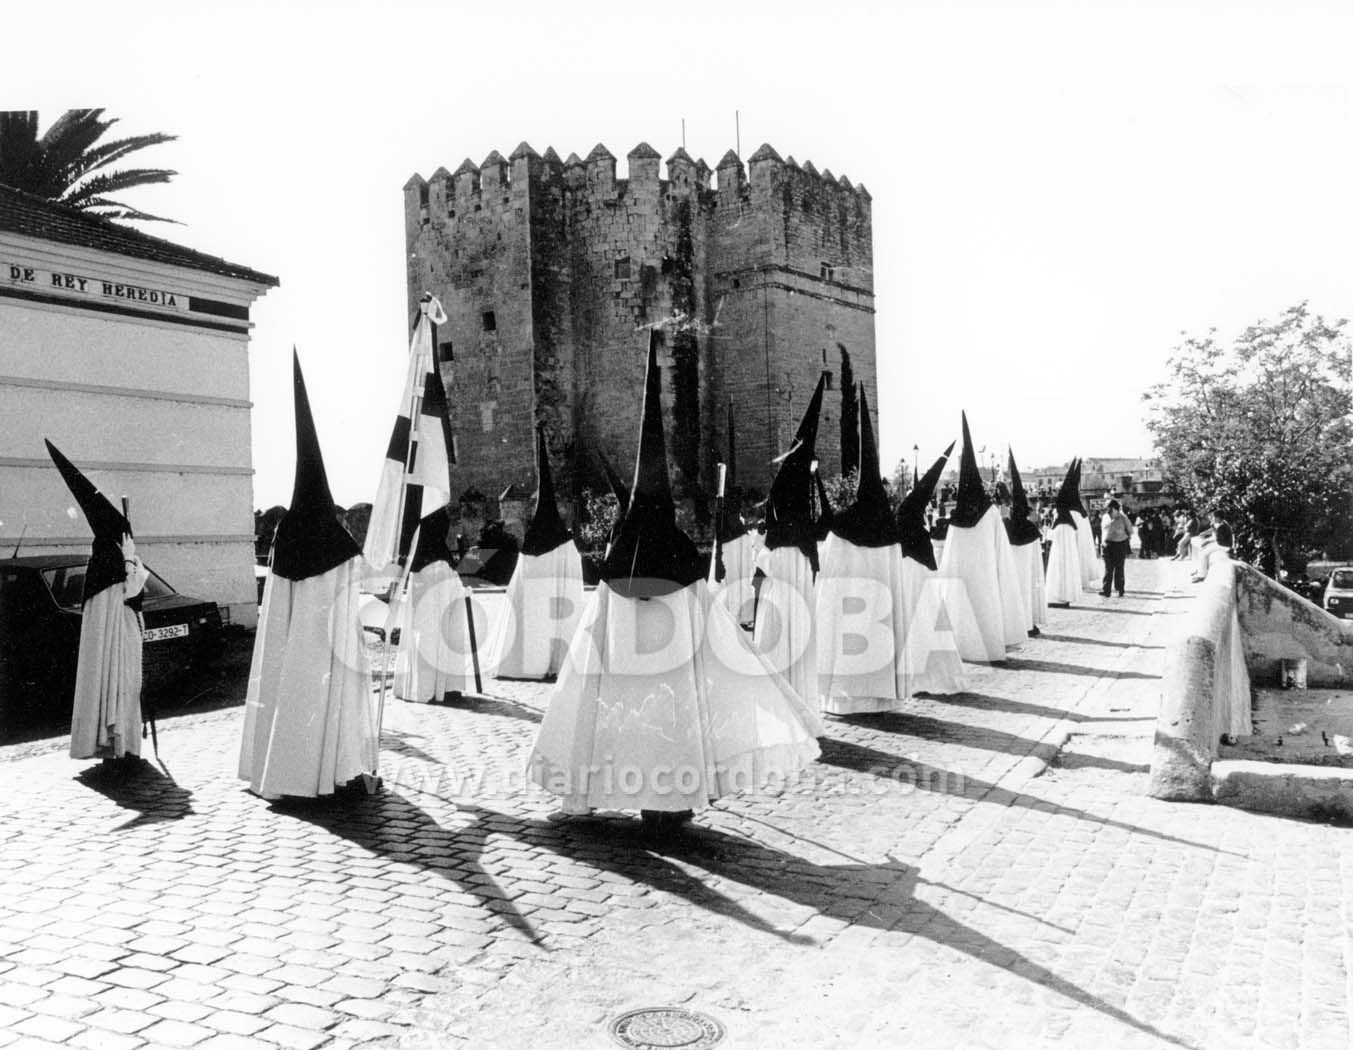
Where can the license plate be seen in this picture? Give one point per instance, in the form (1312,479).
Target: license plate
(159,634)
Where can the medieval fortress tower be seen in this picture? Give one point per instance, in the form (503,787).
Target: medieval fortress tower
(552,273)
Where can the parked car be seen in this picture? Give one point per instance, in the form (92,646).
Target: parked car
(40,599)
(1339,593)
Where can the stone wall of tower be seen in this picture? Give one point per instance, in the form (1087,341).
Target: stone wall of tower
(471,248)
(793,273)
(767,275)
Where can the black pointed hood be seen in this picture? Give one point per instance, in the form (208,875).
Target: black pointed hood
(911,527)
(547,529)
(1067,498)
(826,516)
(973,500)
(869,521)
(789,508)
(309,540)
(434,539)
(730,525)
(649,554)
(1019,528)
(106,566)
(1076,489)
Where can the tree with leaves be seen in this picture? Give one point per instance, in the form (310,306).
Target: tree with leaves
(69,164)
(1261,431)
(850,416)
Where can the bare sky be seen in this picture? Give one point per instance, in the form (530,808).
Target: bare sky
(1059,189)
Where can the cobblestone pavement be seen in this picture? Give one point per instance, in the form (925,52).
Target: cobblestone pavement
(982,871)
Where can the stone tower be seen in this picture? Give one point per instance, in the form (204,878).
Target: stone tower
(553,272)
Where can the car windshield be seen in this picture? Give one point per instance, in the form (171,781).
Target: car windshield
(1342,578)
(68,584)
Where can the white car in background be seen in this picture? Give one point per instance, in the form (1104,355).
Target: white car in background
(1339,594)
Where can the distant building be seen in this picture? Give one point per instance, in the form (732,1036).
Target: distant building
(1138,482)
(551,273)
(131,354)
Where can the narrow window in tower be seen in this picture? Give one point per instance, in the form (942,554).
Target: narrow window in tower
(446,352)
(824,355)
(622,268)
(828,384)
(490,322)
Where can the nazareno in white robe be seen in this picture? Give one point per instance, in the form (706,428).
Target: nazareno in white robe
(1029,567)
(433,657)
(785,631)
(739,561)
(881,636)
(932,658)
(663,704)
(982,589)
(310,714)
(1065,580)
(539,615)
(106,715)
(1085,543)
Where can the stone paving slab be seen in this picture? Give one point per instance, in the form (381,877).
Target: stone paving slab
(981,871)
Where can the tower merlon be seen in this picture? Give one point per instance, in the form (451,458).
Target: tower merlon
(466,178)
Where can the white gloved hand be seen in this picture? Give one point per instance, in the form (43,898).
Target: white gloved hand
(137,574)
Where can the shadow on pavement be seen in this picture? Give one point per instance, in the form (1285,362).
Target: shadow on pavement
(923,777)
(489,705)
(1072,639)
(391,826)
(1014,663)
(874,896)
(148,791)
(986,701)
(938,730)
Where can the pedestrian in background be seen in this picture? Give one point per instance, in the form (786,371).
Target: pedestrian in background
(1116,544)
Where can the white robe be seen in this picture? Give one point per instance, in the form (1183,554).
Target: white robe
(310,715)
(543,602)
(1085,541)
(1033,591)
(1065,580)
(880,634)
(739,562)
(433,657)
(106,717)
(932,658)
(663,704)
(785,626)
(982,589)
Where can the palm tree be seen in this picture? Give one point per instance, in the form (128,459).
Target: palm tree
(67,164)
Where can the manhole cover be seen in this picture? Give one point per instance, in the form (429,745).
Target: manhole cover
(665,1028)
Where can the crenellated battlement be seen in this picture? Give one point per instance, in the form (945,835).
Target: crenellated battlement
(495,182)
(757,272)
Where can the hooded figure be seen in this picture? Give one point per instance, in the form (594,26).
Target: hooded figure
(932,660)
(663,704)
(545,595)
(1066,579)
(309,717)
(1084,535)
(863,594)
(789,560)
(731,570)
(429,611)
(1026,544)
(983,584)
(106,718)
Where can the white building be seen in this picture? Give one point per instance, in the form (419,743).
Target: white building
(131,354)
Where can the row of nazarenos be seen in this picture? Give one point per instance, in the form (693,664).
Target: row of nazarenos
(663,704)
(311,725)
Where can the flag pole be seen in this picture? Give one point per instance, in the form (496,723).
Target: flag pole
(474,646)
(147,710)
(409,457)
(716,554)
